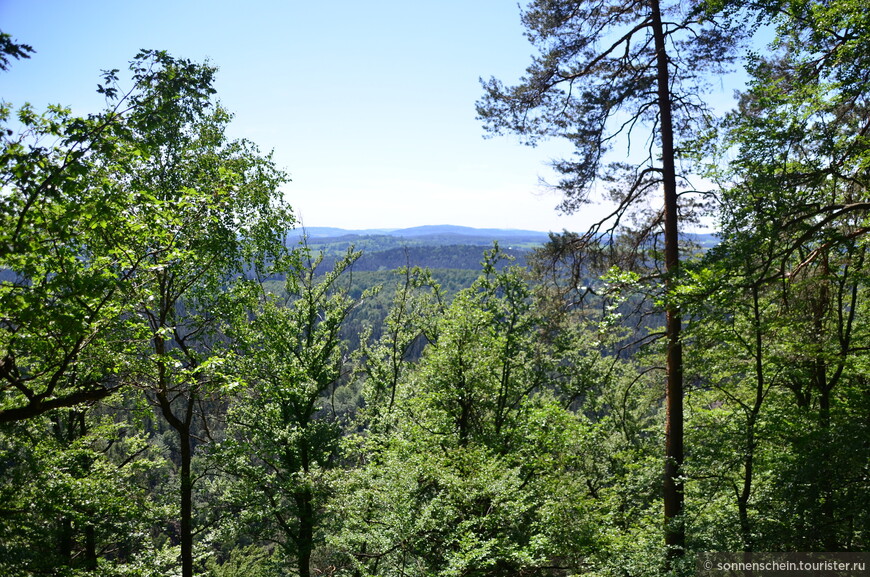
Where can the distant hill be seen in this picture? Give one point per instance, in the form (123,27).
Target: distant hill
(329,231)
(436,247)
(432,234)
(451,234)
(465,231)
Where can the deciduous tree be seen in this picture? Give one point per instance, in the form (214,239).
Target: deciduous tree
(282,440)
(206,212)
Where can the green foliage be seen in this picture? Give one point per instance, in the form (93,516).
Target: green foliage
(206,211)
(76,498)
(385,253)
(61,292)
(777,364)
(469,467)
(250,561)
(386,357)
(781,349)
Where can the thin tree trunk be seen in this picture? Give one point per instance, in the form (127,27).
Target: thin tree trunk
(675,536)
(752,418)
(182,427)
(745,492)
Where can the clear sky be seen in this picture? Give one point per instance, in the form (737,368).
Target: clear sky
(368,105)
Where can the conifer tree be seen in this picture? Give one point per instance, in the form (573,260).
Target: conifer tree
(609,72)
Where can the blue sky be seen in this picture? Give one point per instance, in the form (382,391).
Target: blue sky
(368,105)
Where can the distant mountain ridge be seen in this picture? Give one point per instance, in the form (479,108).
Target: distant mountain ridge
(448,234)
(440,230)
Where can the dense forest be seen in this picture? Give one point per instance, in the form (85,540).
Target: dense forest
(183,391)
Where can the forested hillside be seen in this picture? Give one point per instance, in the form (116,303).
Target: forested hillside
(452,255)
(188,387)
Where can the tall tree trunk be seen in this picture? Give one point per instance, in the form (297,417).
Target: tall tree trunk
(186,511)
(675,536)
(65,431)
(305,540)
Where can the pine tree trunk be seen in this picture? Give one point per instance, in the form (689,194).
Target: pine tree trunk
(675,536)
